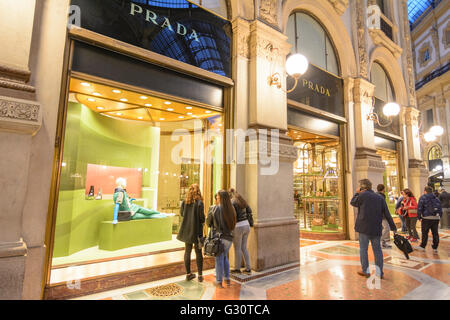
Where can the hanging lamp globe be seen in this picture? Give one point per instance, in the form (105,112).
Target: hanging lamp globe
(391,109)
(296,65)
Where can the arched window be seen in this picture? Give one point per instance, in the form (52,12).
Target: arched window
(383,87)
(435,153)
(309,38)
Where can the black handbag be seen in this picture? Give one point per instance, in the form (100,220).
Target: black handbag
(213,243)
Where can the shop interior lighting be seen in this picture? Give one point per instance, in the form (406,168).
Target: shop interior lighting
(96,94)
(116,91)
(188,108)
(143,97)
(124,100)
(100,108)
(169,109)
(437,130)
(91,99)
(85,84)
(148,105)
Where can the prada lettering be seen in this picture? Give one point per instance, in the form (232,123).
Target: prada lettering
(151,17)
(315,87)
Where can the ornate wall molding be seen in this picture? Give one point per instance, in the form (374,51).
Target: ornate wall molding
(241,35)
(363,54)
(445,39)
(379,38)
(21,116)
(411,116)
(14,78)
(339,5)
(409,53)
(421,57)
(13,249)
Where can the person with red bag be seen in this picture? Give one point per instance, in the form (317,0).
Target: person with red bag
(409,206)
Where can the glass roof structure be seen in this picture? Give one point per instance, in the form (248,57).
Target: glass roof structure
(417,7)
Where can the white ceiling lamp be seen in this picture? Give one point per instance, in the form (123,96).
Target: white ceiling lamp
(437,130)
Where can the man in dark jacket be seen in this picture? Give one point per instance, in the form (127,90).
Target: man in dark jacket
(429,212)
(371,210)
(444,197)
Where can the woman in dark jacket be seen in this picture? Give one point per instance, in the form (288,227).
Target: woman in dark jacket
(191,229)
(222,219)
(241,232)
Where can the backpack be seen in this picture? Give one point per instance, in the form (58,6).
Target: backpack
(433,207)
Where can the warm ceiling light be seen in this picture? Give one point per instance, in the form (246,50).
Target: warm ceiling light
(162,119)
(85,84)
(189,113)
(96,94)
(116,91)
(170,109)
(100,108)
(181,117)
(143,97)
(148,104)
(140,118)
(429,137)
(167,102)
(91,99)
(207,111)
(124,100)
(119,113)
(189,108)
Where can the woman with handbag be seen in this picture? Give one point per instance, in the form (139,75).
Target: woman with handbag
(222,220)
(410,210)
(399,211)
(191,230)
(244,220)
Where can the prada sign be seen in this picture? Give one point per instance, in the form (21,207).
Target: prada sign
(319,89)
(177,29)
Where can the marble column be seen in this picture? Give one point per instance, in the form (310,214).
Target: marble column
(417,172)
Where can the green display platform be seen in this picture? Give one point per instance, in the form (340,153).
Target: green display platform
(134,233)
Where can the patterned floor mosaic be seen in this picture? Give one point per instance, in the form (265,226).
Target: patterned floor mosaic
(327,271)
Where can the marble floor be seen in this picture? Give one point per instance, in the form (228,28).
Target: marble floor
(327,271)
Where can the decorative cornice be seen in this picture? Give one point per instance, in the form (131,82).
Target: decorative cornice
(379,38)
(241,33)
(19,115)
(409,53)
(14,78)
(339,5)
(363,91)
(13,249)
(411,116)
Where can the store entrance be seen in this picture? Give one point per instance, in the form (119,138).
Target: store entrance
(391,177)
(318,185)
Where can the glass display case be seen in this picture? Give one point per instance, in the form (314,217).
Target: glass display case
(318,187)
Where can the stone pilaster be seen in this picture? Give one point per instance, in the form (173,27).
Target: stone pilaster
(20,119)
(367,163)
(417,172)
(274,239)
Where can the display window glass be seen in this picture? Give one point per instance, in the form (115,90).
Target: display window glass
(145,149)
(318,181)
(391,177)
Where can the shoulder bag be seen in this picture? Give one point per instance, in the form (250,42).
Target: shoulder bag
(213,243)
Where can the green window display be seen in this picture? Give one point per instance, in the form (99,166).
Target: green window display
(118,155)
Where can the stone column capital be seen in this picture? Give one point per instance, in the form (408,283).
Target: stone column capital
(411,115)
(241,38)
(267,42)
(363,91)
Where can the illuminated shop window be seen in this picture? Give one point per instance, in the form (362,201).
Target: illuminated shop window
(318,183)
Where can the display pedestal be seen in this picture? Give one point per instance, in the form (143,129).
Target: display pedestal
(132,233)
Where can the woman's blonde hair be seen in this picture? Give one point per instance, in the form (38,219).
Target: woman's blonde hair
(193,194)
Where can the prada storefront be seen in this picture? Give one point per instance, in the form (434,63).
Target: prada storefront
(316,120)
(141,119)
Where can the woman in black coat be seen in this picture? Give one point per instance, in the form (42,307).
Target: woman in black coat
(191,229)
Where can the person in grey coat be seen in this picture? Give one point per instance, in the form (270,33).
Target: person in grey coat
(371,210)
(385,235)
(191,230)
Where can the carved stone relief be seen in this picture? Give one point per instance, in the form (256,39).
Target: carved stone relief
(268,11)
(363,55)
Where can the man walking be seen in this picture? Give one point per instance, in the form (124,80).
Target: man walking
(371,210)
(385,233)
(429,212)
(444,197)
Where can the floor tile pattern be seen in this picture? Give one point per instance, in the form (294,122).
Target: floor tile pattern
(327,271)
